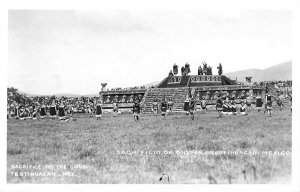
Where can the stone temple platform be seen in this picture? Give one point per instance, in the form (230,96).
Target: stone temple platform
(178,88)
(195,81)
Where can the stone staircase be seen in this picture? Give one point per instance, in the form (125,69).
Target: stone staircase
(185,80)
(227,81)
(273,91)
(177,94)
(144,97)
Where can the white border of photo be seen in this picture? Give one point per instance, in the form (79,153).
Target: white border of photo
(215,5)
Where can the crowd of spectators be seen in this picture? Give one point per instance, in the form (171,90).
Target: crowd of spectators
(127,88)
(281,87)
(16,100)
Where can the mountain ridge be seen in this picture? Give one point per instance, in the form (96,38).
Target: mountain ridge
(282,71)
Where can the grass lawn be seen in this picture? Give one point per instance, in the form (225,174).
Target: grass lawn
(120,150)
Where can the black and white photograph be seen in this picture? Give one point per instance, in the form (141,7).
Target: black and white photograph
(129,96)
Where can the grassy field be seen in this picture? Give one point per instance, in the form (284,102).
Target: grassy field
(99,147)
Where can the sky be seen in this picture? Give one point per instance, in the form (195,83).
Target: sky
(74,51)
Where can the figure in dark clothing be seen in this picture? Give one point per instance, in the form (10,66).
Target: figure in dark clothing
(192,105)
(200,71)
(53,110)
(136,110)
(220,69)
(99,110)
(164,107)
(219,106)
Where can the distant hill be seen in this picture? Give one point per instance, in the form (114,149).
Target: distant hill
(151,84)
(92,95)
(66,95)
(59,95)
(281,71)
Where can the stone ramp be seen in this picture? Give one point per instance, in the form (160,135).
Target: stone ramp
(273,91)
(177,94)
(185,81)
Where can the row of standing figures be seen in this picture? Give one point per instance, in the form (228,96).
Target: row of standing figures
(65,113)
(205,70)
(224,105)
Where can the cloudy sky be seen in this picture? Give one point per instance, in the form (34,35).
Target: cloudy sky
(75,51)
